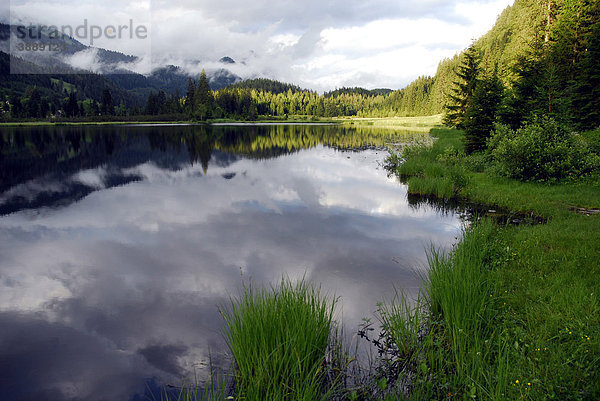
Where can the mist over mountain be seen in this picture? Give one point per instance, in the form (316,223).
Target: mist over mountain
(75,63)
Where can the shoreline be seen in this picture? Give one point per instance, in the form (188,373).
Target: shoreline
(418,123)
(534,287)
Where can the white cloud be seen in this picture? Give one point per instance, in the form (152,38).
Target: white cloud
(315,44)
(85,59)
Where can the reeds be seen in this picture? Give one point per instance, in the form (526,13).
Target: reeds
(279,340)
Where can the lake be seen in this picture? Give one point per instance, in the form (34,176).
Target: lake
(119,244)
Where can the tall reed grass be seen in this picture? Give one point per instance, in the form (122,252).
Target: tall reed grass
(446,343)
(279,340)
(463,299)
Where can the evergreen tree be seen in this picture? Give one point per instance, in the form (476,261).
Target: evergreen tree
(16,107)
(586,92)
(464,87)
(152,105)
(121,110)
(33,102)
(481,113)
(44,107)
(203,99)
(94,108)
(190,97)
(162,102)
(527,97)
(108,106)
(70,106)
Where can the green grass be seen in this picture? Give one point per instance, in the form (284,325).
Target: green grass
(463,309)
(513,312)
(415,122)
(279,340)
(449,342)
(432,168)
(552,308)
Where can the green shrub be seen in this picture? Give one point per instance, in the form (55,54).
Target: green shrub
(593,140)
(541,150)
(451,156)
(477,162)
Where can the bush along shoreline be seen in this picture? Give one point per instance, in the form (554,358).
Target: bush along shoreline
(513,311)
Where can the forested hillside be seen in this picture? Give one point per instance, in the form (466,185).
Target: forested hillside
(546,55)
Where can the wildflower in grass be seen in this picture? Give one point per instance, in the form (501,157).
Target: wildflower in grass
(517,381)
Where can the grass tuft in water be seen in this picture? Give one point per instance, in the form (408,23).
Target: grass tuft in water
(447,344)
(279,340)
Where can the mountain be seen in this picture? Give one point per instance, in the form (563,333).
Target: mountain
(54,86)
(52,71)
(226,60)
(105,61)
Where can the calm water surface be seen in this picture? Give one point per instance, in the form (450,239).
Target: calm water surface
(118,245)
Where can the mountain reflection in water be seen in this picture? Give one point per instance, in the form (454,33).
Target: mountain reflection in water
(119,244)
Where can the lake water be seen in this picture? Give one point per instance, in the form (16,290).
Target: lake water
(118,245)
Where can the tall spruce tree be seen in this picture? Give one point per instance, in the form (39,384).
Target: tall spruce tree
(203,98)
(527,97)
(71,107)
(190,97)
(586,92)
(33,102)
(464,87)
(482,111)
(108,105)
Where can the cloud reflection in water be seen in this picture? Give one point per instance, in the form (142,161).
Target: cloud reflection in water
(124,285)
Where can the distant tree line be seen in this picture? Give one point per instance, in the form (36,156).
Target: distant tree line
(33,105)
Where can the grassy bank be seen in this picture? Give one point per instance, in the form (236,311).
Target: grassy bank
(412,124)
(514,311)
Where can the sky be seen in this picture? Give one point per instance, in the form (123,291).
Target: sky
(316,44)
